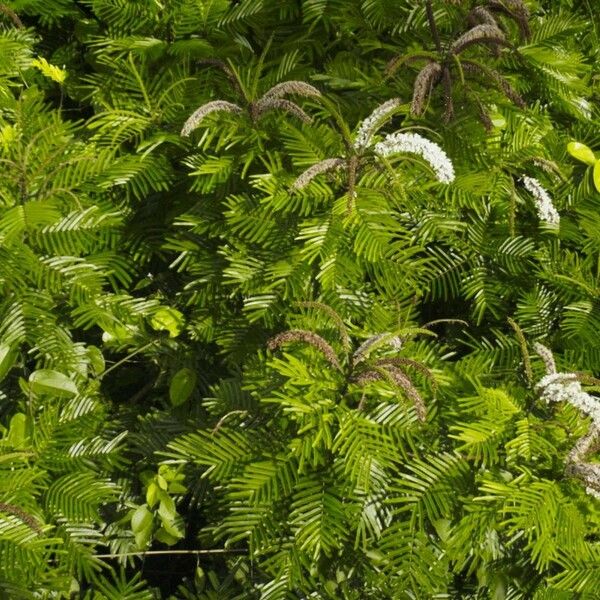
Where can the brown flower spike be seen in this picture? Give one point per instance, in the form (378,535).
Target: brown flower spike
(359,369)
(271,100)
(485,30)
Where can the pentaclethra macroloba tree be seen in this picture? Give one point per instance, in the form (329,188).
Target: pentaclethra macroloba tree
(299,299)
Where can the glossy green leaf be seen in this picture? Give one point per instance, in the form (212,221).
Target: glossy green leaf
(152,494)
(19,430)
(142,538)
(168,319)
(597,175)
(581,152)
(53,383)
(182,386)
(177,488)
(174,527)
(119,333)
(166,538)
(142,518)
(166,508)
(7,359)
(96,359)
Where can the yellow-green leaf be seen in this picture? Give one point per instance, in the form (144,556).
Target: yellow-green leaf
(119,333)
(96,359)
(141,519)
(152,494)
(166,538)
(182,385)
(7,359)
(597,175)
(46,381)
(169,319)
(174,527)
(581,152)
(19,430)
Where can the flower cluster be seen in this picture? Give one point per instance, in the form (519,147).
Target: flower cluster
(416,144)
(370,125)
(564,387)
(206,109)
(592,492)
(543,202)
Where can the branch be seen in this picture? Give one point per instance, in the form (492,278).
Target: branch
(167,552)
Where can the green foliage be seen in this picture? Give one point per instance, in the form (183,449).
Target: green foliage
(272,277)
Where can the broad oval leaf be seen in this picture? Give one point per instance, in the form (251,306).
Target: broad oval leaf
(169,319)
(182,385)
(119,333)
(54,383)
(175,527)
(7,359)
(142,538)
(96,359)
(142,519)
(597,175)
(162,535)
(581,152)
(166,508)
(19,430)
(152,494)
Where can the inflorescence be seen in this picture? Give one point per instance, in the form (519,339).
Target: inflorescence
(543,202)
(416,144)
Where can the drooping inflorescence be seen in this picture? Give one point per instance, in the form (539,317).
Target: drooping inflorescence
(360,367)
(17,511)
(448,64)
(371,124)
(324,166)
(391,144)
(566,387)
(414,143)
(543,201)
(272,99)
(206,109)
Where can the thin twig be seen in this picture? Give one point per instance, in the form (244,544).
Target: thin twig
(523,347)
(166,552)
(127,358)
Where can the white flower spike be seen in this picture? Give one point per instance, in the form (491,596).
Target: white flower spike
(371,123)
(543,202)
(416,144)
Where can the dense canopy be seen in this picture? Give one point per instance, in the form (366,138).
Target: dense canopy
(299,299)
